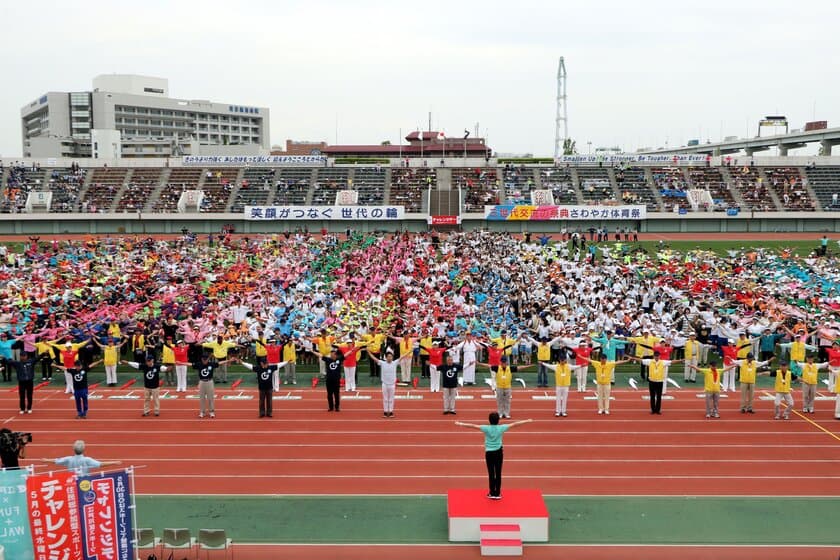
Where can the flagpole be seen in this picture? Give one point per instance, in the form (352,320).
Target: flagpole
(132,507)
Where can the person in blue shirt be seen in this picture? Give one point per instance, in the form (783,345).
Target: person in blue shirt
(78,463)
(493,451)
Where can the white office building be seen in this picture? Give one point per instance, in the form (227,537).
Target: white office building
(133,116)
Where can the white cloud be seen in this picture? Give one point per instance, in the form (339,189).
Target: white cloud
(639,73)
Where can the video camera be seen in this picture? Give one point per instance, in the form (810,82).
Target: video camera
(15,439)
(23,437)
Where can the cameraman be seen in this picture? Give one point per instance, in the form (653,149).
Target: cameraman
(12,448)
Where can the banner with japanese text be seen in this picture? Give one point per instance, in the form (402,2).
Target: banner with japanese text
(14,520)
(253,160)
(104,505)
(389,213)
(54,516)
(444,220)
(511,212)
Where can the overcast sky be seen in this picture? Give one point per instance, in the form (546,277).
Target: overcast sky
(640,73)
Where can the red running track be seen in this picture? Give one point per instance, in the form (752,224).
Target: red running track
(304,449)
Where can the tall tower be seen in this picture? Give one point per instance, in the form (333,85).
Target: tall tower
(562,116)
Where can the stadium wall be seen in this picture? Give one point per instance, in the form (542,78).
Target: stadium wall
(58,224)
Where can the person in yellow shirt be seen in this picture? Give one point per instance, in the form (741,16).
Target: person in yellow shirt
(810,378)
(220,348)
(110,358)
(290,358)
(406,348)
(604,371)
(837,399)
(562,380)
(504,379)
(711,385)
(543,346)
(373,347)
(427,341)
(656,379)
(693,352)
(783,378)
(747,369)
(45,352)
(323,344)
(504,341)
(644,344)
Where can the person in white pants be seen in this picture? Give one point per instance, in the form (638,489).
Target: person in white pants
(562,379)
(837,399)
(388,373)
(469,347)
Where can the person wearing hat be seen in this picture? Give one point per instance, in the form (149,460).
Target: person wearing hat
(833,354)
(272,351)
(503,380)
(610,345)
(810,378)
(206,368)
(729,351)
(69,354)
(110,358)
(604,373)
(449,378)
(693,352)
(388,372)
(469,346)
(562,380)
(151,382)
(180,355)
(543,346)
(782,387)
(323,342)
(332,380)
(767,344)
(656,379)
(797,349)
(167,358)
(221,348)
(711,386)
(265,384)
(582,350)
(350,352)
(747,369)
(436,354)
(644,343)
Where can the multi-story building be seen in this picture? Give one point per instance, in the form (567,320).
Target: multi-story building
(133,116)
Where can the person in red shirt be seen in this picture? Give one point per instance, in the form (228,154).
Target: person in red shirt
(730,354)
(272,357)
(582,353)
(494,354)
(348,350)
(181,351)
(833,354)
(436,354)
(69,355)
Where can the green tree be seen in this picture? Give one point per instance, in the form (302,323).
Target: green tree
(569,147)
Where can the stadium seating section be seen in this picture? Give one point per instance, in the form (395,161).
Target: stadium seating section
(231,189)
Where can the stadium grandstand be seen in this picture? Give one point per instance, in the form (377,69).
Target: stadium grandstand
(678,193)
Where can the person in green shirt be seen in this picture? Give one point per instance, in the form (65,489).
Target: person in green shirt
(493,451)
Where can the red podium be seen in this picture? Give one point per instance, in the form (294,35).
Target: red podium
(468,510)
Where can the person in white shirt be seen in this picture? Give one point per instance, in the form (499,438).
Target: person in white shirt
(388,373)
